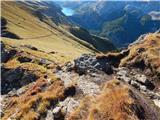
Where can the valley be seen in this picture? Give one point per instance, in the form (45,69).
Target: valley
(122,22)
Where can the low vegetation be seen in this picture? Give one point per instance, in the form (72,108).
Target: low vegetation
(37,96)
(145,53)
(35,101)
(115,102)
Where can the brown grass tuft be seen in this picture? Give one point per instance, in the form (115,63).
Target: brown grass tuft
(35,101)
(112,104)
(150,53)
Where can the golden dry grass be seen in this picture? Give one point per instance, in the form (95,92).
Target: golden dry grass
(150,55)
(112,104)
(35,101)
(40,35)
(37,97)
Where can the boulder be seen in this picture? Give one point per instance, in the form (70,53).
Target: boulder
(15,79)
(27,78)
(90,63)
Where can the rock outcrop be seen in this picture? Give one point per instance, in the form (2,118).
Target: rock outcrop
(15,79)
(89,63)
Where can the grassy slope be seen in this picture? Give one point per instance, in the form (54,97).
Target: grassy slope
(149,53)
(38,34)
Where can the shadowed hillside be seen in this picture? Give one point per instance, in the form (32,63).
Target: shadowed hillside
(120,21)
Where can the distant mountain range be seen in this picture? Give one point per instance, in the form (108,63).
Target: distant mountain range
(120,21)
(53,69)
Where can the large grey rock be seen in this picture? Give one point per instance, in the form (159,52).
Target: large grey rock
(88,62)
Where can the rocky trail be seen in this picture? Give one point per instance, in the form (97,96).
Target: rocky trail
(46,90)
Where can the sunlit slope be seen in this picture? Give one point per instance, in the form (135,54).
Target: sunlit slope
(32,31)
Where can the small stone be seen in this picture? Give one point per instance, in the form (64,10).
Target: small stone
(56,110)
(49,115)
(139,50)
(135,84)
(69,105)
(122,72)
(157,102)
(143,88)
(142,79)
(44,62)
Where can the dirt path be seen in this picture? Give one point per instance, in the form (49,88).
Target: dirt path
(44,36)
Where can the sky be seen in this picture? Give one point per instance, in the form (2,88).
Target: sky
(105,0)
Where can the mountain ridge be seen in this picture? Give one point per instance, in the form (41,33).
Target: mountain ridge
(95,16)
(56,75)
